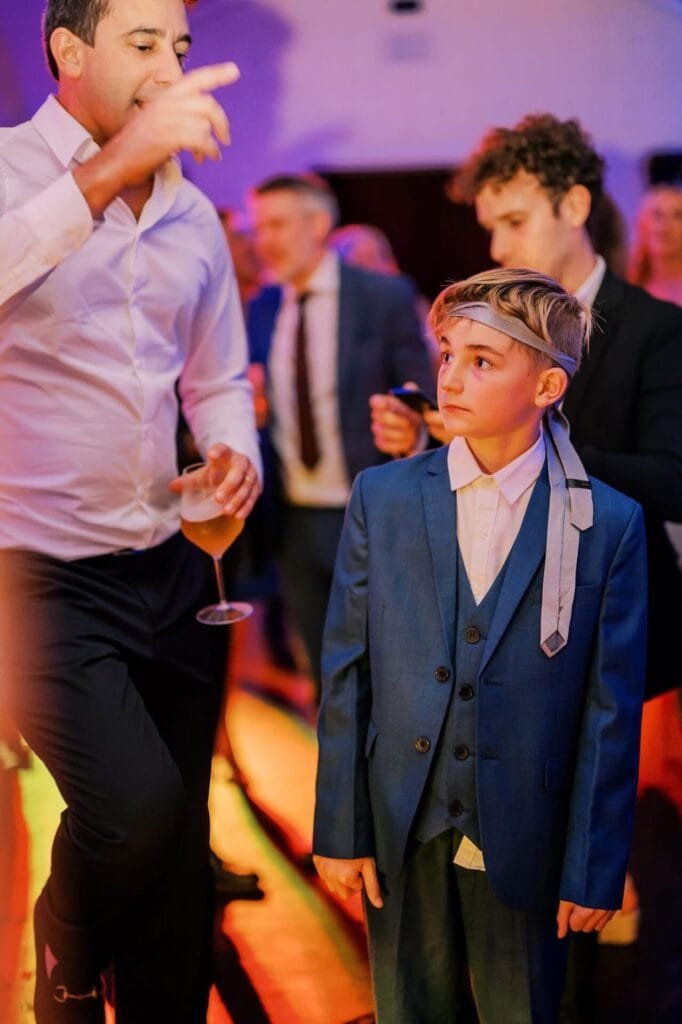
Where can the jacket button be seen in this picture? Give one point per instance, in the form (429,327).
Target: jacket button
(456,808)
(461,752)
(466,692)
(472,634)
(442,674)
(422,744)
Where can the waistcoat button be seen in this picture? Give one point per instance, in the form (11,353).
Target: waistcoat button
(442,674)
(422,744)
(466,692)
(472,634)
(456,808)
(461,752)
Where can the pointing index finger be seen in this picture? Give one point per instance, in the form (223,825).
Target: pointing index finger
(208,78)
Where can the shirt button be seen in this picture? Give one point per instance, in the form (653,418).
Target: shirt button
(456,808)
(422,744)
(442,674)
(472,634)
(466,692)
(461,752)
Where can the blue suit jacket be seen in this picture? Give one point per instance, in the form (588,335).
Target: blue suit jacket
(557,738)
(380,345)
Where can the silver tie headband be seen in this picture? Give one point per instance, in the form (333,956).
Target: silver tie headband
(570,499)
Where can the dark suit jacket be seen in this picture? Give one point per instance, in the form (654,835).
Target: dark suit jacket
(380,345)
(557,738)
(625,410)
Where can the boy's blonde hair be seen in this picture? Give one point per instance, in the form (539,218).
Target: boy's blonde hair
(535,299)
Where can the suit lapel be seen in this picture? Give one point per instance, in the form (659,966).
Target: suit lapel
(606,312)
(524,558)
(440,513)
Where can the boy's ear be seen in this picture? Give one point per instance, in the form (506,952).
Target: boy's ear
(68,52)
(552,384)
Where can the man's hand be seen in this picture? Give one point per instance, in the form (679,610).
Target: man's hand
(396,428)
(344,877)
(237,484)
(573,917)
(435,427)
(182,116)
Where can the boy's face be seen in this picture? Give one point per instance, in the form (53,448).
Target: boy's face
(525,229)
(139,48)
(490,390)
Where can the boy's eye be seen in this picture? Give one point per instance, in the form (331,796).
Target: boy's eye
(182,57)
(445,357)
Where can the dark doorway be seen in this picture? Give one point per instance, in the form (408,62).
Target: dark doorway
(435,240)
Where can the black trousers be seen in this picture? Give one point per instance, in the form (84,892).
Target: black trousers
(117,691)
(441,924)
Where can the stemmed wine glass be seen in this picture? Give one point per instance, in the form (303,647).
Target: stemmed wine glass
(213,531)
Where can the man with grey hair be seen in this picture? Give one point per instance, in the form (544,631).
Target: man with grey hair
(329,335)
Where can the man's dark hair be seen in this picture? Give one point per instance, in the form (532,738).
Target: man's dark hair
(559,153)
(308,186)
(80,16)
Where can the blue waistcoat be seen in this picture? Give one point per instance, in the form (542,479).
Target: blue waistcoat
(450,797)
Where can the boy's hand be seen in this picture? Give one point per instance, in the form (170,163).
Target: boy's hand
(573,917)
(344,877)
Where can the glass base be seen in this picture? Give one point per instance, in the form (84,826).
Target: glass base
(224,614)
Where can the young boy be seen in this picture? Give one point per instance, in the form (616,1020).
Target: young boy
(483,666)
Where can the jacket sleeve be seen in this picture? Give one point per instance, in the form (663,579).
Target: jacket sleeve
(343,819)
(605,783)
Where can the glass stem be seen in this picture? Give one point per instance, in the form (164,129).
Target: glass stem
(218,566)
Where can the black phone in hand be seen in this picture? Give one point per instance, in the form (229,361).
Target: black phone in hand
(416,400)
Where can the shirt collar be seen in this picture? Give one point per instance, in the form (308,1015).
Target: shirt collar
(512,480)
(66,137)
(587,292)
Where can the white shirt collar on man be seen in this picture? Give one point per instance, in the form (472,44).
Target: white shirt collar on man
(589,289)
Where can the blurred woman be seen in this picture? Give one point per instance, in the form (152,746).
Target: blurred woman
(656,262)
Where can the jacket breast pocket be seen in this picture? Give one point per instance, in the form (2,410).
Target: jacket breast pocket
(558,773)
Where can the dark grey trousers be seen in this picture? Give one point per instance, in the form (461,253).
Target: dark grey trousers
(442,924)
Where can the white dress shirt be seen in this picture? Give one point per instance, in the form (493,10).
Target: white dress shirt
(587,292)
(98,321)
(327,484)
(490,510)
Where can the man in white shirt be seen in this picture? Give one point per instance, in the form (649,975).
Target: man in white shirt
(116,286)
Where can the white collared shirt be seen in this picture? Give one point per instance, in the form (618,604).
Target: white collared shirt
(98,320)
(588,290)
(327,484)
(490,508)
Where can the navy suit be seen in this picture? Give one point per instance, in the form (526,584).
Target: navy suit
(380,345)
(556,738)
